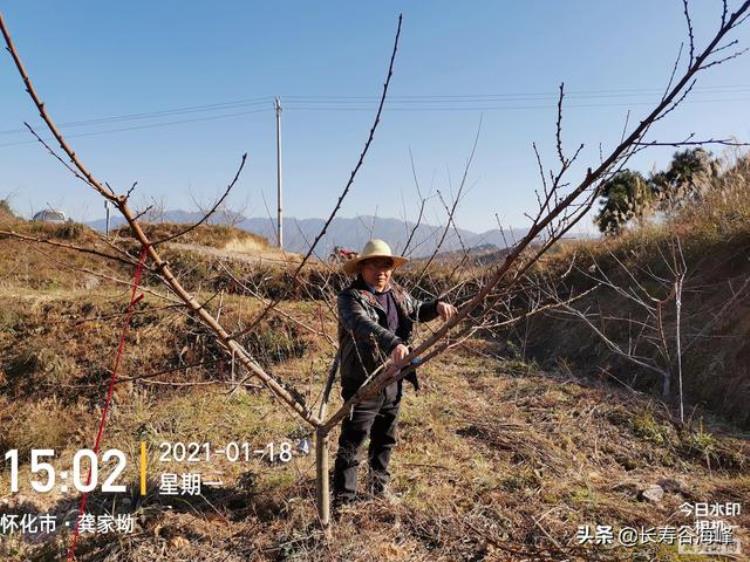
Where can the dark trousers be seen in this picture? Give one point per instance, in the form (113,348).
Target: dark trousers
(376,417)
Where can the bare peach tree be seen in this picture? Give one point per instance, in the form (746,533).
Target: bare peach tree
(561,204)
(647,343)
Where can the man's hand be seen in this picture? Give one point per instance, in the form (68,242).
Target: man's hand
(446,311)
(399,352)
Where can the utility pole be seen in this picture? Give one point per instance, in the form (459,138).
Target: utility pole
(106,210)
(279,230)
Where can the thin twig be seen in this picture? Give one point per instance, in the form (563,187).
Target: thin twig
(348,186)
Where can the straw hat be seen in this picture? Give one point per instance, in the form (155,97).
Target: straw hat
(373,249)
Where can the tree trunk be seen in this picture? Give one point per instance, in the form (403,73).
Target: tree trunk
(321,476)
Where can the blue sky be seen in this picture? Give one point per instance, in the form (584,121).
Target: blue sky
(327,61)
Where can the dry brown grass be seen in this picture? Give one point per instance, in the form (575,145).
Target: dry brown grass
(212,235)
(483,453)
(497,459)
(715,237)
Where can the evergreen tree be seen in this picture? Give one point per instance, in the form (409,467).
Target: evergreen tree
(625,196)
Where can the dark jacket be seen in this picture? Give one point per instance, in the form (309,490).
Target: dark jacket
(364,339)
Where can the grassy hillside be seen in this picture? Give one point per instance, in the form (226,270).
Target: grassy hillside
(498,459)
(635,275)
(211,235)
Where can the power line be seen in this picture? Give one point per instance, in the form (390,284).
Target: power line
(468,98)
(156,114)
(333,104)
(138,127)
(392,100)
(303,107)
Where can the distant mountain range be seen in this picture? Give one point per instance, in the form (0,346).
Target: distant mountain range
(353,233)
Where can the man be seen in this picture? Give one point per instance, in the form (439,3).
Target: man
(376,317)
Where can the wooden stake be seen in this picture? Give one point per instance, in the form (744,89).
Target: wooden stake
(321,476)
